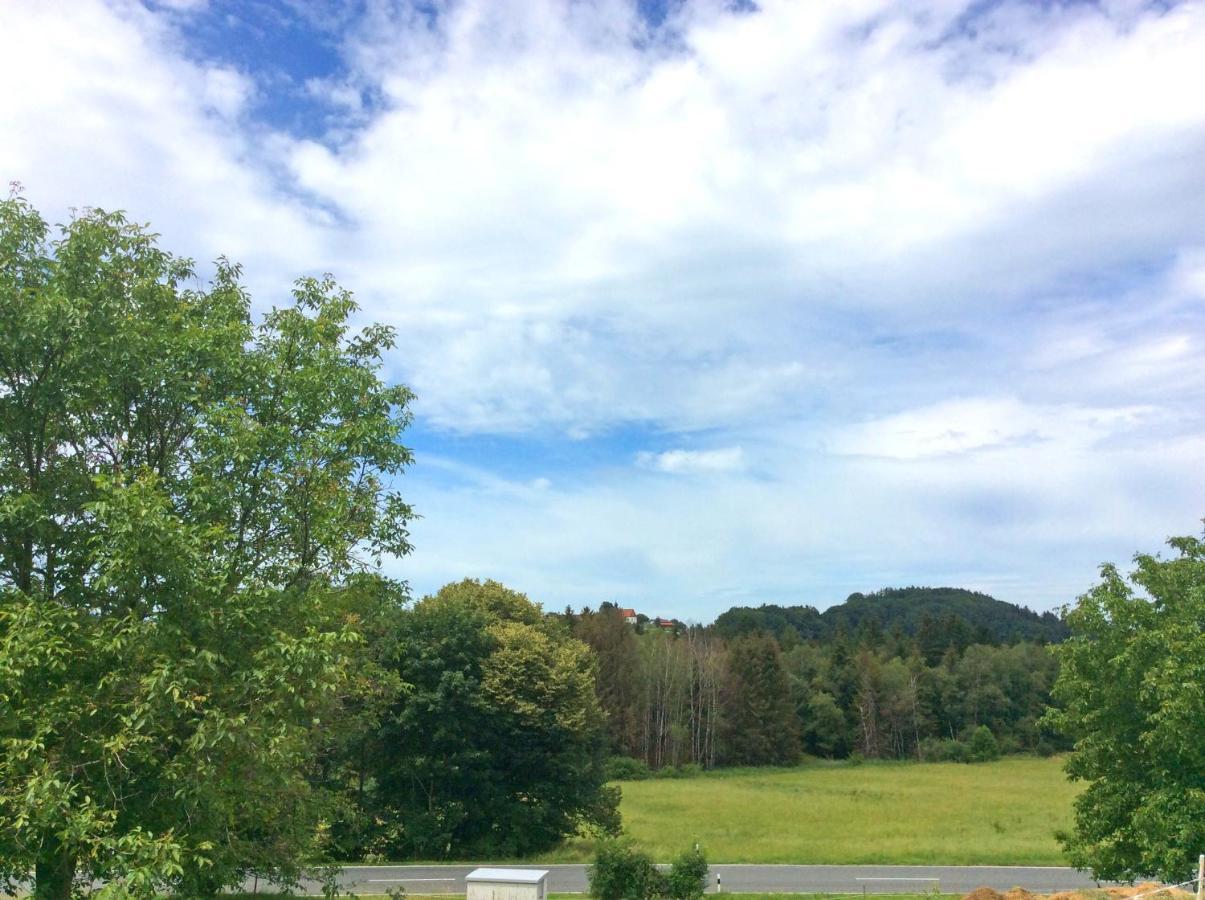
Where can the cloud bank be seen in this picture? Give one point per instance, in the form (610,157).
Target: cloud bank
(908,294)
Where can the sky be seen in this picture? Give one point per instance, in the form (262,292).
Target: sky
(704,303)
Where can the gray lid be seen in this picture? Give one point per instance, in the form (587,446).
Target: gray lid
(513,876)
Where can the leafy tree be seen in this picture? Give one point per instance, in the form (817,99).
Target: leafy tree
(184,496)
(499,744)
(687,877)
(349,751)
(982,746)
(623,873)
(1131,693)
(825,729)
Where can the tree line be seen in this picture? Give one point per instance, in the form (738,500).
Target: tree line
(720,695)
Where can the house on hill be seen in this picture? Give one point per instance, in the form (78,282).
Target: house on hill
(665,624)
(629,615)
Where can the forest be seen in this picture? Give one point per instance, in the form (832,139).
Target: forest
(478,696)
(900,673)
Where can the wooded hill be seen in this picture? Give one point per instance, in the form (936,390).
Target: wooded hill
(936,617)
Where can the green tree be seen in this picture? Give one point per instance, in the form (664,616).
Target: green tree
(982,746)
(825,729)
(760,725)
(687,877)
(615,646)
(621,872)
(1130,686)
(184,495)
(499,744)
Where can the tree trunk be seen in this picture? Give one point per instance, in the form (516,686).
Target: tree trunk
(54,872)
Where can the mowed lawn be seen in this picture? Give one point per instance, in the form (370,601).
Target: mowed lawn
(999,813)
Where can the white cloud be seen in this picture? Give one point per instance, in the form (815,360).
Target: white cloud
(533,160)
(226,91)
(121,121)
(922,283)
(987,423)
(689,462)
(576,224)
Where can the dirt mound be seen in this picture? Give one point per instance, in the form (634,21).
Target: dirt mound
(1148,891)
(983,893)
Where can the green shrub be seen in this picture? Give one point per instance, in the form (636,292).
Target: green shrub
(1009,744)
(982,746)
(622,873)
(938,750)
(687,879)
(624,768)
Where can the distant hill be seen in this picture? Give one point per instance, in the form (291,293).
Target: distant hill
(935,616)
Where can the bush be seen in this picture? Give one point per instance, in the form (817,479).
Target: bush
(621,873)
(624,768)
(938,750)
(687,878)
(1009,744)
(982,746)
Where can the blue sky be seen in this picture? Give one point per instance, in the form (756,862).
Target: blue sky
(704,303)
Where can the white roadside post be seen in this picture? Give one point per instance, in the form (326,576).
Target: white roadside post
(1201,877)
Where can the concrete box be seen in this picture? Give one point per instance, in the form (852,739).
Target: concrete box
(507,884)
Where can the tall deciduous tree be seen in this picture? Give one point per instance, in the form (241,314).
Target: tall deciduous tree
(182,494)
(499,745)
(1131,685)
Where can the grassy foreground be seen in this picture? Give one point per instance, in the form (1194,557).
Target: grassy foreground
(999,813)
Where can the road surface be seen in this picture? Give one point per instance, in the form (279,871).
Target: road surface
(751,878)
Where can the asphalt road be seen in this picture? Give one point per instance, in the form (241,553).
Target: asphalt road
(750,878)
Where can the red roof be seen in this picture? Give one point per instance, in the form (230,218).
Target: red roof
(628,613)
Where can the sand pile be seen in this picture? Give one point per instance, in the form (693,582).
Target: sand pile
(1149,891)
(983,893)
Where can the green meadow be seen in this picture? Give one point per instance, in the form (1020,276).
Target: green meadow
(999,813)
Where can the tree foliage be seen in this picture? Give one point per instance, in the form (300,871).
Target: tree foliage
(499,744)
(623,873)
(678,699)
(760,727)
(940,617)
(1131,693)
(183,495)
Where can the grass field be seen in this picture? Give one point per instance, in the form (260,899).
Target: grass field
(999,813)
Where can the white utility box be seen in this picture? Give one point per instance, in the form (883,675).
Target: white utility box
(507,884)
